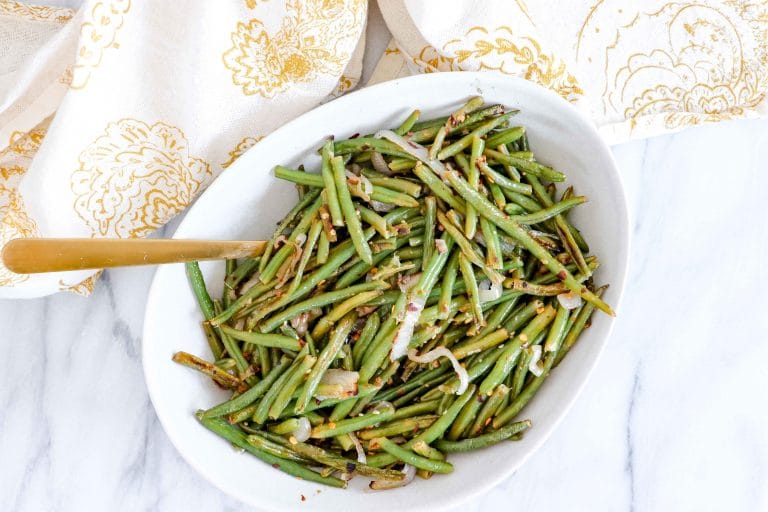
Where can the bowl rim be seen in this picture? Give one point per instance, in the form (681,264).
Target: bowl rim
(373,91)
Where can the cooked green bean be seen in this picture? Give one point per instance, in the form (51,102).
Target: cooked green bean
(238,438)
(374,265)
(484,441)
(337,339)
(412,458)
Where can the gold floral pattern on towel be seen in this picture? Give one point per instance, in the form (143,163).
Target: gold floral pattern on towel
(315,38)
(135,177)
(708,63)
(502,49)
(241,147)
(35,12)
(98,33)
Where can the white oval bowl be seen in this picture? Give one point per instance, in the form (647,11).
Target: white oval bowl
(247,201)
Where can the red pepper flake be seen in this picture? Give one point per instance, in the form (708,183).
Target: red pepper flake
(276,465)
(303,498)
(562,275)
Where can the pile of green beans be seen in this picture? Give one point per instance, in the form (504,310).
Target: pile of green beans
(443,234)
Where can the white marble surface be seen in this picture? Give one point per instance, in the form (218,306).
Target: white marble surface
(674,418)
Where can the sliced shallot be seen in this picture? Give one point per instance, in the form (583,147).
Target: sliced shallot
(380,485)
(488,291)
(433,354)
(533,366)
(302,430)
(417,151)
(569,300)
(377,159)
(405,329)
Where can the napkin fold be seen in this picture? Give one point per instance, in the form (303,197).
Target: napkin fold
(115,117)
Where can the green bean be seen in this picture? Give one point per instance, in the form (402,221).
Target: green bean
(363,296)
(325,323)
(508,358)
(323,247)
(540,290)
(309,245)
(267,340)
(412,458)
(302,365)
(211,370)
(433,432)
(491,405)
(382,146)
(197,282)
(580,323)
(472,290)
(481,344)
(528,166)
(440,189)
(369,330)
(511,171)
(334,460)
(401,164)
(427,451)
(526,203)
(514,229)
(262,410)
(473,178)
(375,220)
(484,441)
(467,249)
(331,184)
(398,427)
(466,141)
(285,427)
(385,195)
(549,212)
(318,301)
(427,130)
(238,438)
(465,418)
(505,137)
(397,184)
(336,340)
(332,429)
(351,220)
(430,212)
(275,449)
(414,383)
(406,125)
(299,177)
(251,395)
(521,316)
(415,409)
(303,203)
(502,181)
(494,258)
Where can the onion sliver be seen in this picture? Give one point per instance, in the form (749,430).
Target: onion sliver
(377,159)
(302,430)
(433,354)
(417,151)
(361,458)
(380,485)
(533,366)
(488,291)
(569,300)
(405,329)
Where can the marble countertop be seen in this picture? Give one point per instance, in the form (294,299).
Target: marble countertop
(674,417)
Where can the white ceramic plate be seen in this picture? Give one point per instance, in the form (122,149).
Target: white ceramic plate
(247,201)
